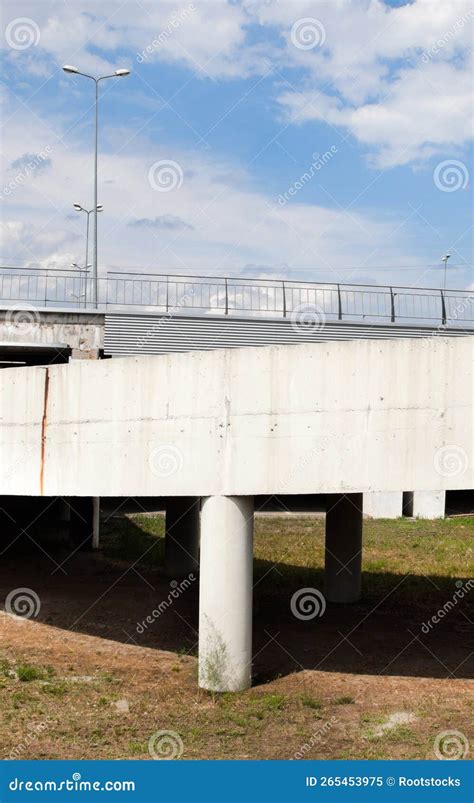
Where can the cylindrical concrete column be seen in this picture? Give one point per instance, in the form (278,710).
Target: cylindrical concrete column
(343,556)
(95,522)
(182,536)
(225,601)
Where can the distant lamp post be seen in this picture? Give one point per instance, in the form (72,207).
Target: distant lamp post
(83,269)
(88,212)
(68,68)
(445,260)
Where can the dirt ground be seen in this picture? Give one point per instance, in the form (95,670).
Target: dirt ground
(81,680)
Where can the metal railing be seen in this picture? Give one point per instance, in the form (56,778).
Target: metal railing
(253,297)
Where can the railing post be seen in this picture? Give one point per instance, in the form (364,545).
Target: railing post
(226,298)
(392,306)
(284,299)
(443,309)
(339,303)
(167,292)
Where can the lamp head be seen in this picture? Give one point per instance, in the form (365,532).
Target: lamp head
(122,72)
(70,68)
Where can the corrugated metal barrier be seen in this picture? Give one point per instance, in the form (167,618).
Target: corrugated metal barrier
(161,334)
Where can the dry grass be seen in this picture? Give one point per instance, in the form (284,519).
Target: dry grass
(71,687)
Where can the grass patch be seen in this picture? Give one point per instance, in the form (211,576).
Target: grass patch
(311,702)
(27,672)
(133,537)
(344,700)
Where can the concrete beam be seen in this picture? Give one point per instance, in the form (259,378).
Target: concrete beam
(383,505)
(182,536)
(229,422)
(225,604)
(343,554)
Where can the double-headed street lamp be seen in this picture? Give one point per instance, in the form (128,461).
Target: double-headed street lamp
(117,74)
(88,212)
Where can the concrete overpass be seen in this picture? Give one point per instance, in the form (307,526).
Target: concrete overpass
(207,431)
(44,320)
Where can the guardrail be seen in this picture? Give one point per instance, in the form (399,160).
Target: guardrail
(227,296)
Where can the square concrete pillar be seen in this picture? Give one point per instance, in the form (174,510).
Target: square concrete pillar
(428,504)
(81,522)
(383,504)
(343,553)
(182,536)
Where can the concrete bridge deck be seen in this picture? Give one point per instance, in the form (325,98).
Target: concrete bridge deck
(210,430)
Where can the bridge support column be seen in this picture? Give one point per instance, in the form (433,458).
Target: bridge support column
(81,522)
(182,536)
(383,505)
(225,604)
(95,522)
(343,556)
(425,504)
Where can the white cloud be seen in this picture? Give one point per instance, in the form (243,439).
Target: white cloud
(399,79)
(229,223)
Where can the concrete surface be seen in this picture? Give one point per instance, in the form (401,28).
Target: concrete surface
(387,505)
(358,416)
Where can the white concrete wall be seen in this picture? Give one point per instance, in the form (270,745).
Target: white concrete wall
(358,416)
(76,330)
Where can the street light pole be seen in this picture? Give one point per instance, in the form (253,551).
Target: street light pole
(95,276)
(445,260)
(79,208)
(117,74)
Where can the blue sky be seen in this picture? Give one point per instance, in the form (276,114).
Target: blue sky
(327,141)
